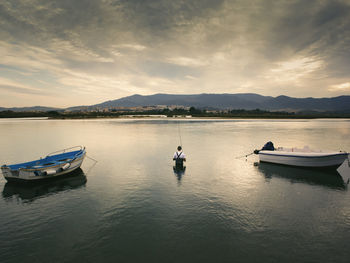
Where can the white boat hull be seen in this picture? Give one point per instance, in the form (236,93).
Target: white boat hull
(304,159)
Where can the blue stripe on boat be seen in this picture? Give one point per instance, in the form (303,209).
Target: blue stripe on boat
(324,156)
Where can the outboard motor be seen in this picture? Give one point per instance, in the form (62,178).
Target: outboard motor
(267,147)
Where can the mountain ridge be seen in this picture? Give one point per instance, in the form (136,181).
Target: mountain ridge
(219,101)
(246,101)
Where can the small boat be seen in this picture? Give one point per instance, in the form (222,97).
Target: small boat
(53,165)
(304,157)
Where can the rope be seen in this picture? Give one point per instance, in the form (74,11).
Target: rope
(95,162)
(91,158)
(239,157)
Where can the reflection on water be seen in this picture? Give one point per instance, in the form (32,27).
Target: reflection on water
(179,171)
(220,209)
(32,191)
(327,178)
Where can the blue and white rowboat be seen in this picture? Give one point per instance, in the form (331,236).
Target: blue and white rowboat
(53,165)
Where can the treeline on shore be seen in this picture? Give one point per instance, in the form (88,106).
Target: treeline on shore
(178,112)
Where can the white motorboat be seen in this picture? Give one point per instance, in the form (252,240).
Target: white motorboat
(304,157)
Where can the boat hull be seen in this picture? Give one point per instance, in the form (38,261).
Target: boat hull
(58,177)
(309,160)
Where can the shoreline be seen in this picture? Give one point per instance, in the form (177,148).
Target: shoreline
(178,118)
(178,113)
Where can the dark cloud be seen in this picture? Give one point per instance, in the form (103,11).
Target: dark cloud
(235,41)
(168,70)
(313,27)
(90,24)
(279,27)
(164,15)
(331,12)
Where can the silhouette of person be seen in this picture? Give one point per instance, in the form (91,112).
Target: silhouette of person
(179,157)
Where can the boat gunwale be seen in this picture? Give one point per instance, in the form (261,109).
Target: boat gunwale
(46,167)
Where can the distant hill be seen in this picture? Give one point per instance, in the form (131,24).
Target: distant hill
(217,101)
(247,101)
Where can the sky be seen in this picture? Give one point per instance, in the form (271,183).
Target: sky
(83,52)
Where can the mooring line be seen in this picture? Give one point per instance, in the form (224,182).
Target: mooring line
(91,158)
(95,162)
(239,157)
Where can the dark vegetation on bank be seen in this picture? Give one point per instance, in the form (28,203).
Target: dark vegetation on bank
(240,113)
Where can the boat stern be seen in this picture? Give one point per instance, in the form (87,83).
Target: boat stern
(7,172)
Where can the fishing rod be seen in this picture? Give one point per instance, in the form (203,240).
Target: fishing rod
(178,126)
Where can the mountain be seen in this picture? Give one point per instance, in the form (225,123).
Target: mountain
(341,103)
(217,101)
(246,101)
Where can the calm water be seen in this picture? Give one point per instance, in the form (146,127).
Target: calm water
(132,207)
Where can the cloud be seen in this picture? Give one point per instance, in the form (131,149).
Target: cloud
(295,69)
(340,87)
(187,61)
(115,48)
(136,47)
(20,90)
(15,87)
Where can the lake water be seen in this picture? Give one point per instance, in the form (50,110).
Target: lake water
(132,207)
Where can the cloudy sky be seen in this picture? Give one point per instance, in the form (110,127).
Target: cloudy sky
(81,52)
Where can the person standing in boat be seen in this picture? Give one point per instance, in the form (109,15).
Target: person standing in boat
(179,157)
